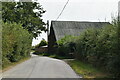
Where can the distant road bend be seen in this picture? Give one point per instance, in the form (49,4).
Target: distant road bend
(41,67)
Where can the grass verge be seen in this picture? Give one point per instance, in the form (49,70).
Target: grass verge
(87,70)
(11,65)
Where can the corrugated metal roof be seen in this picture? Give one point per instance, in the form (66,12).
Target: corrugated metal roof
(62,28)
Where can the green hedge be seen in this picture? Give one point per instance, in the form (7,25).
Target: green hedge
(99,47)
(66,46)
(16,43)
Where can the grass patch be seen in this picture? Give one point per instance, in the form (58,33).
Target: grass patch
(57,56)
(10,65)
(87,70)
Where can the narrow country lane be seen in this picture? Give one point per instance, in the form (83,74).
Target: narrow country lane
(41,67)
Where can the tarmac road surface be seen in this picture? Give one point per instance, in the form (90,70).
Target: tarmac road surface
(41,67)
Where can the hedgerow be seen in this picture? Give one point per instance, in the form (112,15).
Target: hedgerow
(16,43)
(66,46)
(99,47)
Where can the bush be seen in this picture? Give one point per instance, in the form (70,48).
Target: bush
(66,46)
(42,43)
(86,43)
(16,42)
(99,47)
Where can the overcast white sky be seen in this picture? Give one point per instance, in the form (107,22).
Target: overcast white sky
(78,10)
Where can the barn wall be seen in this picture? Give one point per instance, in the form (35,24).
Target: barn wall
(52,42)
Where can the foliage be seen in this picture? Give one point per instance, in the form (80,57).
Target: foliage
(99,47)
(27,13)
(66,45)
(42,43)
(21,22)
(87,70)
(16,43)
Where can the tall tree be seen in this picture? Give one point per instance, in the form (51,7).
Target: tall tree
(27,13)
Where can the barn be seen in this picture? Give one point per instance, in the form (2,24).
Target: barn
(58,29)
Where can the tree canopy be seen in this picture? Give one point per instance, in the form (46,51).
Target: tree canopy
(26,13)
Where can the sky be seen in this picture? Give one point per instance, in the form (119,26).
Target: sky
(78,10)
